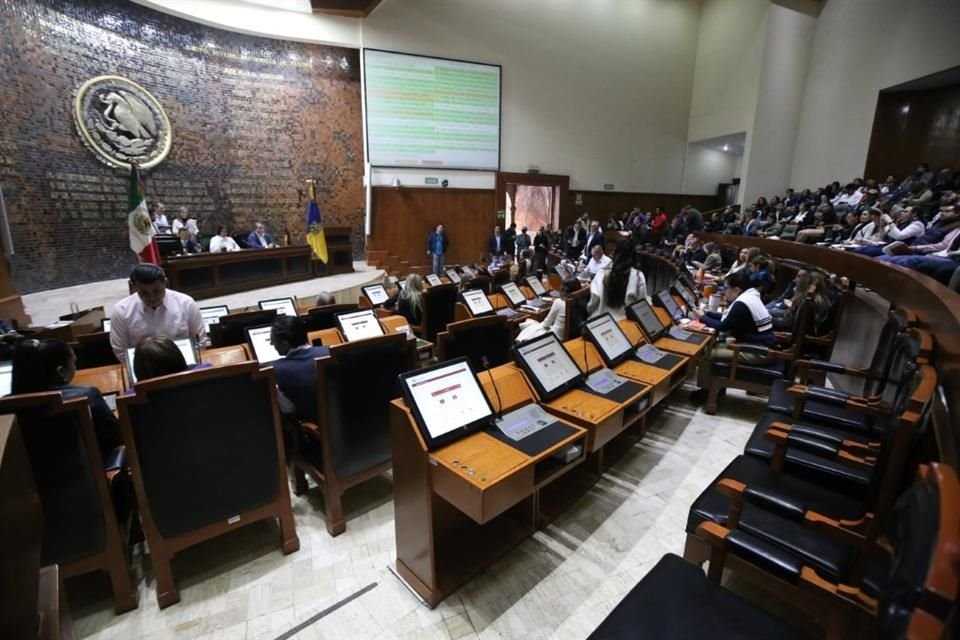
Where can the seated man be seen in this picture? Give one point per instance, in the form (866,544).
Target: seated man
(597,261)
(258,238)
(937,260)
(187,244)
(152,310)
(222,242)
(296,372)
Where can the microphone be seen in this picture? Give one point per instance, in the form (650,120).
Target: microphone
(486,365)
(583,339)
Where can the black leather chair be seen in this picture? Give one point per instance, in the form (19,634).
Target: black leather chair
(911,591)
(576,313)
(232,328)
(83,529)
(206,454)
(94,350)
(488,337)
(478,282)
(351,441)
(325,316)
(438,306)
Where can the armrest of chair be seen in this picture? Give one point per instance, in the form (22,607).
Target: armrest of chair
(805,438)
(764,555)
(828,366)
(827,396)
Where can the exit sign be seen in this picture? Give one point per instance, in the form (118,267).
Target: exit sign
(431,180)
(608,187)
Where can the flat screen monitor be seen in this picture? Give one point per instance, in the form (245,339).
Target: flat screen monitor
(477,302)
(610,339)
(259,340)
(376,294)
(6,378)
(686,294)
(358,325)
(167,245)
(284,306)
(186,346)
(641,311)
(563,272)
(402,284)
(453,275)
(667,302)
(433,279)
(105,325)
(212,315)
(536,285)
(513,293)
(469,271)
(447,401)
(548,365)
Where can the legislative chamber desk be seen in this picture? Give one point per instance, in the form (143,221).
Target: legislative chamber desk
(205,275)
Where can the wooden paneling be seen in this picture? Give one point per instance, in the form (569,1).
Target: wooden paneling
(929,132)
(403,218)
(600,204)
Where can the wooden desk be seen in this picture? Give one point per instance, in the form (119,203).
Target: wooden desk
(77,324)
(205,275)
(463,506)
(109,379)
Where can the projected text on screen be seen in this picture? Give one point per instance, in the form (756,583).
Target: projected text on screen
(429,112)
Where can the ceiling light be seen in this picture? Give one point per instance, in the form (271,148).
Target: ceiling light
(905,109)
(726,147)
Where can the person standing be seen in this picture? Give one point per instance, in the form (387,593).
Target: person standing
(437,244)
(594,238)
(510,235)
(523,241)
(497,244)
(541,246)
(576,238)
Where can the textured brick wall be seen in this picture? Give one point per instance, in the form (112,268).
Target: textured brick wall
(252,118)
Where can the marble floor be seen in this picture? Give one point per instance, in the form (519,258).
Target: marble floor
(45,307)
(558,584)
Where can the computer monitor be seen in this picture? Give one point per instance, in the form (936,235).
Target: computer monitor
(536,285)
(611,341)
(105,324)
(402,284)
(186,345)
(562,271)
(284,306)
(667,302)
(686,294)
(358,325)
(376,294)
(469,271)
(6,377)
(513,294)
(260,343)
(433,279)
(453,275)
(447,401)
(212,315)
(477,302)
(167,245)
(641,312)
(548,365)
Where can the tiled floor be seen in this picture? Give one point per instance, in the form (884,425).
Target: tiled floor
(558,584)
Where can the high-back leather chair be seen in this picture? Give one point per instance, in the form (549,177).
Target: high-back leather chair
(576,313)
(324,337)
(94,350)
(81,528)
(325,316)
(488,337)
(206,454)
(438,304)
(481,283)
(351,441)
(231,328)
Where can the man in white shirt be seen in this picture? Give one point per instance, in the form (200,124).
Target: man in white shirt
(185,221)
(153,310)
(222,242)
(849,199)
(597,261)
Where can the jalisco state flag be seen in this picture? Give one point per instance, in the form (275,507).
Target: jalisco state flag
(315,236)
(139,222)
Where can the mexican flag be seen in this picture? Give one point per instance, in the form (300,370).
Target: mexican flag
(141,226)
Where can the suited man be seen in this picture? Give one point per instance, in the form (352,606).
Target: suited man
(296,372)
(187,244)
(576,238)
(594,238)
(497,245)
(258,238)
(511,236)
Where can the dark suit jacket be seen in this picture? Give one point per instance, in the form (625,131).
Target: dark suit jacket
(594,240)
(254,243)
(492,245)
(105,424)
(297,377)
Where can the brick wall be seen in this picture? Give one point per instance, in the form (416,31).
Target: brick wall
(252,118)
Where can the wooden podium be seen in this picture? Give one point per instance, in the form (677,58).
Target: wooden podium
(459,508)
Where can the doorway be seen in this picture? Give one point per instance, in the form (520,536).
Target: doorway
(532,206)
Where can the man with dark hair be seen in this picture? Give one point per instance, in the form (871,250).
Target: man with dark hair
(153,310)
(296,371)
(259,238)
(437,244)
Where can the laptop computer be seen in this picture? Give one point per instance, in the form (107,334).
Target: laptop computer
(6,377)
(453,275)
(376,294)
(433,279)
(358,325)
(212,315)
(553,372)
(105,324)
(259,340)
(477,302)
(187,347)
(284,306)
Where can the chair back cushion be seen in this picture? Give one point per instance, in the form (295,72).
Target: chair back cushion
(325,317)
(438,305)
(232,328)
(206,445)
(490,337)
(577,313)
(94,350)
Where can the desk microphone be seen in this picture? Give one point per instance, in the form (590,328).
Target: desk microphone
(583,339)
(486,365)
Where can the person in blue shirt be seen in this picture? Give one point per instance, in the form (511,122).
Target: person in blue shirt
(437,244)
(296,371)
